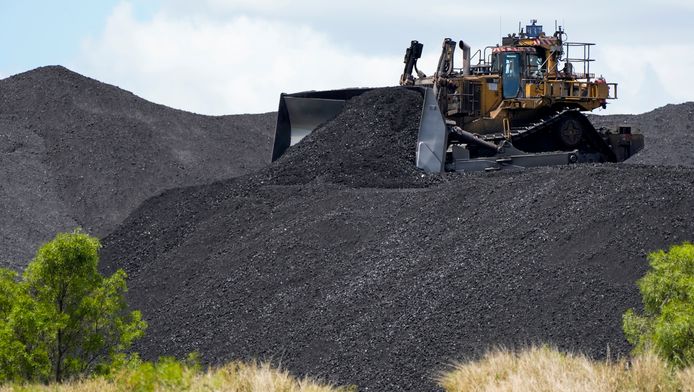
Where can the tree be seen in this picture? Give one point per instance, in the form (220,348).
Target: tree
(667,323)
(65,319)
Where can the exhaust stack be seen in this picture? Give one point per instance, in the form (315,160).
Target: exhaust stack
(466,57)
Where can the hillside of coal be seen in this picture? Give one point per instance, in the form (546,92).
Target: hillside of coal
(78,152)
(381,276)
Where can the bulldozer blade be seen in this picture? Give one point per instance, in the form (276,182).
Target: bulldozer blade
(299,114)
(432,139)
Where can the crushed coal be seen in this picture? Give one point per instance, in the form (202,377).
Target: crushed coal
(78,152)
(360,148)
(340,261)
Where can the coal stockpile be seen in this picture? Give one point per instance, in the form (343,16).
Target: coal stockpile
(78,152)
(668,132)
(360,148)
(383,282)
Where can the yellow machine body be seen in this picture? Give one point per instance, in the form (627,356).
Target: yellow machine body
(519,105)
(516,83)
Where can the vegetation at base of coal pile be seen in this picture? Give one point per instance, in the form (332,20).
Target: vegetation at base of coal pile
(168,374)
(62,319)
(667,323)
(547,369)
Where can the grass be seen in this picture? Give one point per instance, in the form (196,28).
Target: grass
(546,369)
(170,375)
(535,369)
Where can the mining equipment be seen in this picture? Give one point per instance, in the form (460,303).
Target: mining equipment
(514,105)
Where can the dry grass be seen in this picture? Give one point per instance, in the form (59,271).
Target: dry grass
(240,377)
(545,369)
(686,379)
(536,369)
(233,377)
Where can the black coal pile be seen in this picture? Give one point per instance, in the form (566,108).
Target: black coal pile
(380,277)
(359,148)
(668,131)
(78,152)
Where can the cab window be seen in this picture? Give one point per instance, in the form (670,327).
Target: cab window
(534,69)
(511,74)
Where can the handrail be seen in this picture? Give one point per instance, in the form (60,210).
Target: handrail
(570,88)
(477,53)
(609,89)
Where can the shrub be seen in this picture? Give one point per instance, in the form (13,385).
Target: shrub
(167,374)
(667,322)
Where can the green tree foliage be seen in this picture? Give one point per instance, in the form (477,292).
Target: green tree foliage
(667,322)
(63,318)
(24,329)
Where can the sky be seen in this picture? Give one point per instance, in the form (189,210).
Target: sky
(236,56)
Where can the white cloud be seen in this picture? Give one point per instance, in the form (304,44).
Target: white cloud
(303,8)
(648,76)
(235,56)
(219,67)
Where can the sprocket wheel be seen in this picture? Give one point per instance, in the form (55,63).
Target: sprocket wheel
(571,133)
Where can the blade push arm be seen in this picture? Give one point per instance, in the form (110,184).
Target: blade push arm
(412,54)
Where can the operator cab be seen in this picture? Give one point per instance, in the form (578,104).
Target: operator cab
(517,66)
(522,59)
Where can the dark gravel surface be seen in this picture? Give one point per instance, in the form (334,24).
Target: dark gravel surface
(378,275)
(78,152)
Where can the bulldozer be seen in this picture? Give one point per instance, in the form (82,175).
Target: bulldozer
(517,104)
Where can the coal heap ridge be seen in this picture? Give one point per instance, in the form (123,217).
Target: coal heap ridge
(377,275)
(78,152)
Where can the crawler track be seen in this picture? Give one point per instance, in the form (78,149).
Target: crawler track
(546,135)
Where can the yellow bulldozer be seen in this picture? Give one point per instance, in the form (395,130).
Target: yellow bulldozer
(513,105)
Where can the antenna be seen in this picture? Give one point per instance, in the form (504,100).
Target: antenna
(500,28)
